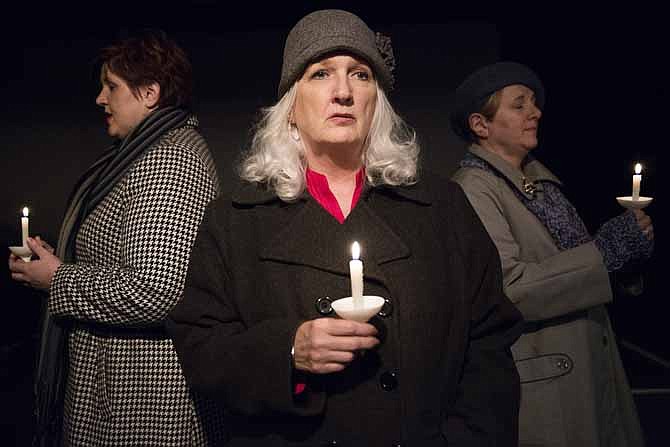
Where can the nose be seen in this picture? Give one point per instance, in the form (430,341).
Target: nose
(536,113)
(101,99)
(342,93)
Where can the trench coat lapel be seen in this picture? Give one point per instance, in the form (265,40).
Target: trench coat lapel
(314,238)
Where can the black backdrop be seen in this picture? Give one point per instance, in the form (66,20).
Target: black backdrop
(602,69)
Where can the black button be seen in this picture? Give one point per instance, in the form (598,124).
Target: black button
(604,340)
(387,308)
(323,305)
(332,443)
(388,381)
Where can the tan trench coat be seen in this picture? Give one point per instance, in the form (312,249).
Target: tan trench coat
(574,389)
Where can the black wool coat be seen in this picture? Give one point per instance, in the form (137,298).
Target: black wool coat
(443,374)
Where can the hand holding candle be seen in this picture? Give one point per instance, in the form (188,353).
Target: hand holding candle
(357,307)
(24,227)
(356,273)
(637,178)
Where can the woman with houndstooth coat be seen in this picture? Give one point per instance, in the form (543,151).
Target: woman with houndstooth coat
(108,374)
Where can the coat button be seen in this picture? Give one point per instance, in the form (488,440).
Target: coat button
(387,308)
(604,340)
(323,305)
(563,364)
(388,381)
(331,443)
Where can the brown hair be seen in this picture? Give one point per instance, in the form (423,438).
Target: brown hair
(148,58)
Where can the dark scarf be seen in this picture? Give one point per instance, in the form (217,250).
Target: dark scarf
(88,192)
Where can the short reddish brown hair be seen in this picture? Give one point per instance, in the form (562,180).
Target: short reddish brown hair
(151,57)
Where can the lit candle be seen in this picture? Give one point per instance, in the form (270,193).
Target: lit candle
(356,273)
(637,178)
(24,227)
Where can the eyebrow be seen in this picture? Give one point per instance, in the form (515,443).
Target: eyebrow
(522,96)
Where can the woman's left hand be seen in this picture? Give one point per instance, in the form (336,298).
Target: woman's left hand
(37,273)
(644,222)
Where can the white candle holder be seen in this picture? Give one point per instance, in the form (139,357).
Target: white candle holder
(22,251)
(631,204)
(344,307)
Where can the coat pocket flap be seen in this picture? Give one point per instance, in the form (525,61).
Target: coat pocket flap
(544,367)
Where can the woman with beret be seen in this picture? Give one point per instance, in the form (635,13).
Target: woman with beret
(332,163)
(108,373)
(573,388)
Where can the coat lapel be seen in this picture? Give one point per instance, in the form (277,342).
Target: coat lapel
(325,244)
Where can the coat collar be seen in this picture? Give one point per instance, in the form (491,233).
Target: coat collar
(250,194)
(533,172)
(311,236)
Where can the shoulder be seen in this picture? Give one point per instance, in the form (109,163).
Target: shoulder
(182,150)
(186,137)
(429,189)
(469,177)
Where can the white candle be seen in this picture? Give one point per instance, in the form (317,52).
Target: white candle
(356,273)
(637,178)
(24,227)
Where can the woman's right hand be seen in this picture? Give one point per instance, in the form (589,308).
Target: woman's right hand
(644,222)
(328,345)
(39,272)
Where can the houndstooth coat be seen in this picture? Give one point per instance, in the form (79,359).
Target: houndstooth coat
(125,385)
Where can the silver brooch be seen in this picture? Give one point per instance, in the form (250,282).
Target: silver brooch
(528,186)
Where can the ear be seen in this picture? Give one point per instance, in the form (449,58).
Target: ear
(150,95)
(479,125)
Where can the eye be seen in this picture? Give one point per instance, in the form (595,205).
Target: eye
(362,75)
(319,74)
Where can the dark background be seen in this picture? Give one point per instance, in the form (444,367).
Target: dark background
(606,106)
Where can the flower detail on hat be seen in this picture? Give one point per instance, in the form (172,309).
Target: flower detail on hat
(385,48)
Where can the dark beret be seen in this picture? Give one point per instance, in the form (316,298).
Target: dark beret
(471,95)
(327,31)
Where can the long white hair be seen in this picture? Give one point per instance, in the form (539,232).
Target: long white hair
(275,159)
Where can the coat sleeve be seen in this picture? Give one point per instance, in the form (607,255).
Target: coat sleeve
(484,408)
(164,199)
(569,281)
(247,366)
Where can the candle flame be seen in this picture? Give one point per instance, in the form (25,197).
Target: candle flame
(25,211)
(355,250)
(638,168)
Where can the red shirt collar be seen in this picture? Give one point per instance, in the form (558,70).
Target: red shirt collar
(317,186)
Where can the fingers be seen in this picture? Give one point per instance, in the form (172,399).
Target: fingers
(327,345)
(20,277)
(16,264)
(45,244)
(337,327)
(649,232)
(36,247)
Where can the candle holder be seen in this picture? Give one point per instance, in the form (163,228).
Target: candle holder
(629,203)
(344,307)
(22,251)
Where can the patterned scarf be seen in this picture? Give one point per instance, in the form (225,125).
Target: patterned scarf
(88,192)
(549,205)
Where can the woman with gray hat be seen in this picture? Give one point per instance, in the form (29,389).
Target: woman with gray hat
(573,387)
(332,163)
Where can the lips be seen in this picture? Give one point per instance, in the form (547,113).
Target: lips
(342,117)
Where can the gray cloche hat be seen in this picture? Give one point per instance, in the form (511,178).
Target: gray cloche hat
(329,30)
(470,96)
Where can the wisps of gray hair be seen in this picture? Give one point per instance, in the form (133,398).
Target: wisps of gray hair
(278,162)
